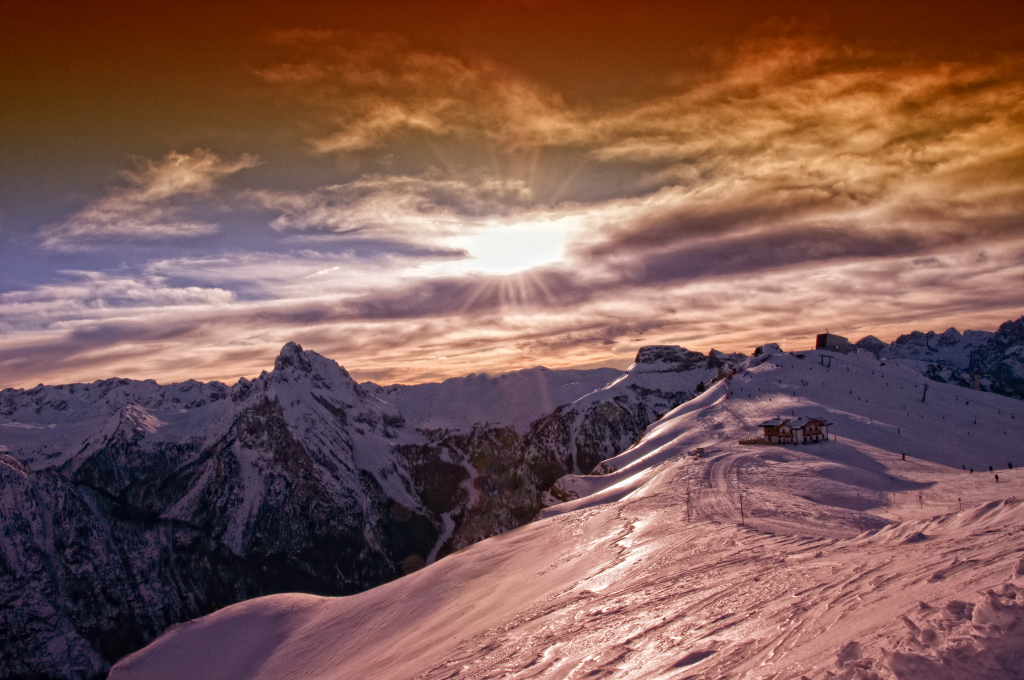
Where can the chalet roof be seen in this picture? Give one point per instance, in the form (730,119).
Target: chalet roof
(801,422)
(795,423)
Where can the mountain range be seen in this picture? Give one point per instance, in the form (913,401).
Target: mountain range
(129,507)
(981,359)
(891,551)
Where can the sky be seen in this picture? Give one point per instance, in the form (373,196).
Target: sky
(423,190)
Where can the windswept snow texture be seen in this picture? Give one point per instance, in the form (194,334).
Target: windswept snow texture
(838,559)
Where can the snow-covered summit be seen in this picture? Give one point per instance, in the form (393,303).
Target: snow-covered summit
(949,348)
(170,501)
(768,349)
(673,358)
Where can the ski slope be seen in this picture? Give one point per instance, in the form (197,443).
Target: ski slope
(845,559)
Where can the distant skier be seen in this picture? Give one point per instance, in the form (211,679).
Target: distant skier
(990,468)
(997,479)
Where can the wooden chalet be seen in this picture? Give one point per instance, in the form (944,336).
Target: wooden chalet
(802,430)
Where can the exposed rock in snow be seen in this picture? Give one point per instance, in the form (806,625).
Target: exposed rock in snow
(1001,359)
(979,359)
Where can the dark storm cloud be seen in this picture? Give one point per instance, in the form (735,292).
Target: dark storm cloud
(748,254)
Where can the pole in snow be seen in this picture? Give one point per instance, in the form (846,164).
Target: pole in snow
(687,500)
(924,394)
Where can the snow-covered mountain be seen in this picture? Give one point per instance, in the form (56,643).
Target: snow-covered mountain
(1001,359)
(889,552)
(949,348)
(129,506)
(982,359)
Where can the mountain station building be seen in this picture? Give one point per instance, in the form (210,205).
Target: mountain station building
(795,430)
(832,342)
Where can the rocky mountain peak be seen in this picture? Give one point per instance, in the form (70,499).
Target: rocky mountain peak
(950,336)
(294,362)
(768,349)
(673,358)
(1011,332)
(1001,359)
(872,344)
(656,354)
(292,355)
(667,358)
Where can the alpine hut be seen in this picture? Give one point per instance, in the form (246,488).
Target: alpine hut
(804,430)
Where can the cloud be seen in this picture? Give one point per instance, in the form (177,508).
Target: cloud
(794,133)
(88,297)
(378,205)
(141,327)
(801,184)
(374,88)
(146,209)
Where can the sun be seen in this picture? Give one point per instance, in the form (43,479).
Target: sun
(509,249)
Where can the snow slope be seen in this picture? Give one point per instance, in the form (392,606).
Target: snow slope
(838,558)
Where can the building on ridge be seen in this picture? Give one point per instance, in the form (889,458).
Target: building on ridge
(832,342)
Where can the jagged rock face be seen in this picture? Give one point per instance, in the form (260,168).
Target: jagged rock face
(494,477)
(1001,359)
(949,348)
(975,359)
(668,358)
(128,506)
